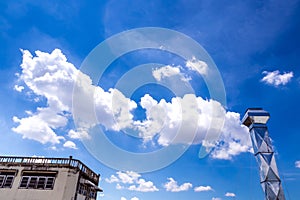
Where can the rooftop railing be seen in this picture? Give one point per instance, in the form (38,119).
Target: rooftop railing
(51,162)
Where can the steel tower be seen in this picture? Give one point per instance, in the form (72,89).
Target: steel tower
(256,119)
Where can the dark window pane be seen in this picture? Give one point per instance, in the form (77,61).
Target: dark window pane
(9,181)
(92,193)
(80,190)
(41,183)
(33,182)
(24,182)
(49,183)
(37,182)
(2,177)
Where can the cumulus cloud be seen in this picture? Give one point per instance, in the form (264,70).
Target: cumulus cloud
(183,120)
(297,164)
(229,194)
(203,188)
(124,177)
(216,198)
(128,176)
(172,186)
(143,186)
(131,181)
(123,198)
(233,140)
(52,77)
(169,74)
(276,79)
(197,65)
(39,128)
(70,144)
(164,72)
(79,134)
(112,179)
(187,119)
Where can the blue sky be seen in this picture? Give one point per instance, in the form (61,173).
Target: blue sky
(254,45)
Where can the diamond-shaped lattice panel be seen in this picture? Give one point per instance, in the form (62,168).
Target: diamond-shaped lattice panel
(265,157)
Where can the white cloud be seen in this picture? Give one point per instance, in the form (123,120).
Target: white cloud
(101,195)
(187,120)
(19,88)
(197,65)
(276,79)
(124,177)
(203,188)
(229,194)
(216,198)
(172,186)
(297,164)
(128,176)
(119,187)
(54,148)
(133,198)
(164,72)
(112,179)
(70,144)
(50,76)
(37,128)
(183,120)
(234,139)
(227,150)
(79,134)
(131,181)
(143,186)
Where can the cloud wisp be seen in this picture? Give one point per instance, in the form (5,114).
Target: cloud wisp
(203,188)
(275,78)
(229,194)
(297,164)
(133,198)
(197,65)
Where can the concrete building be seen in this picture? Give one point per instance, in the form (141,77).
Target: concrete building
(34,178)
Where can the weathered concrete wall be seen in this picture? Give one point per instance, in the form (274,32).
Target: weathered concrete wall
(64,187)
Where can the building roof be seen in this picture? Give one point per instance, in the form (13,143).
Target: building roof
(51,162)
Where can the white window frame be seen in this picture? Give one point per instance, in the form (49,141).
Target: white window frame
(45,185)
(4,181)
(22,182)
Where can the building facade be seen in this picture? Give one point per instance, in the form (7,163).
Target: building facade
(35,178)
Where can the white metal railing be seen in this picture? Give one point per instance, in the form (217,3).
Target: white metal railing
(50,162)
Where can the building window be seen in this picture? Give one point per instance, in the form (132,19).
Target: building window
(49,183)
(32,182)
(41,184)
(82,189)
(93,193)
(24,181)
(43,181)
(6,179)
(87,191)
